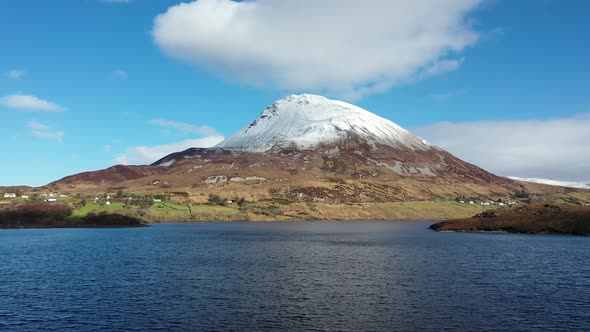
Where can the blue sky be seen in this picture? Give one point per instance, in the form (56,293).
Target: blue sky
(85,83)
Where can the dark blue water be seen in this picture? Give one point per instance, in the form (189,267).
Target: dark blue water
(350,276)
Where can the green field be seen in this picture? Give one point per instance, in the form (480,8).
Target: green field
(167,212)
(95,208)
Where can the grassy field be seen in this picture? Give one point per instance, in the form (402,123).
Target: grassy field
(167,212)
(431,210)
(172,212)
(95,208)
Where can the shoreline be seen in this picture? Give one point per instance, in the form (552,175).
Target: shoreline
(507,232)
(148,224)
(70,226)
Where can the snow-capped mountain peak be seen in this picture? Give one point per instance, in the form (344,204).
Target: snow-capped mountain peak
(308,121)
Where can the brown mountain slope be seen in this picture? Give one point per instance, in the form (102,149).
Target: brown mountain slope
(351,172)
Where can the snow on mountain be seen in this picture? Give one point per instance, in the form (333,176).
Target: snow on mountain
(571,184)
(307,121)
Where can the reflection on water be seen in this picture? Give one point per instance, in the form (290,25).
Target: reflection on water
(374,276)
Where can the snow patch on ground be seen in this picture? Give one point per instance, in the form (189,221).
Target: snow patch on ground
(168,163)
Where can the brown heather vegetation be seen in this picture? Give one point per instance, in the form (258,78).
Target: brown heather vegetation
(536,218)
(49,215)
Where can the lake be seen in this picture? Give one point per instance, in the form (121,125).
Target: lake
(291,276)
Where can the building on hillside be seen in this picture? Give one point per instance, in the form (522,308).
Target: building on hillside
(25,196)
(9,195)
(52,199)
(108,203)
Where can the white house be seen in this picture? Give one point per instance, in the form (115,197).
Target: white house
(9,195)
(52,200)
(63,196)
(108,203)
(24,196)
(157,200)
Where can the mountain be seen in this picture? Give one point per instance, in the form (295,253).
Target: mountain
(313,149)
(307,121)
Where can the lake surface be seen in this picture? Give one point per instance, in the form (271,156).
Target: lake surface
(299,276)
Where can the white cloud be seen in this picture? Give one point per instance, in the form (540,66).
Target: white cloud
(119,73)
(29,102)
(346,47)
(571,184)
(43,131)
(150,154)
(547,149)
(33,124)
(16,74)
(185,127)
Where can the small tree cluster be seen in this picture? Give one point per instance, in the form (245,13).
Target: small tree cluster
(215,199)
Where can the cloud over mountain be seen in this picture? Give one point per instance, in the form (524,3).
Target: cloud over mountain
(345,47)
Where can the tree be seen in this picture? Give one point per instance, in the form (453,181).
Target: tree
(187,201)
